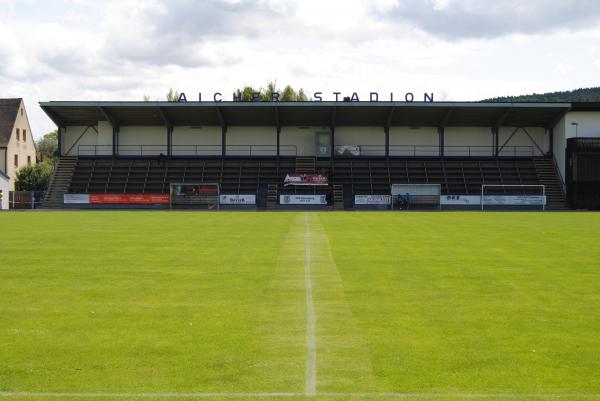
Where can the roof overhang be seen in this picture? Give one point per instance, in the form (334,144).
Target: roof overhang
(277,114)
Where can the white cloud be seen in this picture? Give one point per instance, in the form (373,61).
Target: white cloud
(459,49)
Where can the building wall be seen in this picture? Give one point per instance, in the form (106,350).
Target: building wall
(142,141)
(559,148)
(105,137)
(261,141)
(588,126)
(303,138)
(21,148)
(521,145)
(407,141)
(4,187)
(185,140)
(465,141)
(370,139)
(86,145)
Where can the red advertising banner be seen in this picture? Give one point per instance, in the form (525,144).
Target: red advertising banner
(129,199)
(305,179)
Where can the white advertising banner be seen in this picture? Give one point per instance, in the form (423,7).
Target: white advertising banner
(302,200)
(248,199)
(460,200)
(372,199)
(514,200)
(80,199)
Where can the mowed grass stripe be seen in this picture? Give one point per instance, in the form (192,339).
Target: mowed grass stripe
(147,302)
(344,358)
(472,302)
(311,343)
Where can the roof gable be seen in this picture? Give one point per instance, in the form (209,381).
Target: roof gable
(9,109)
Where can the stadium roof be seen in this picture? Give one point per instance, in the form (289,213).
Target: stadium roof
(320,114)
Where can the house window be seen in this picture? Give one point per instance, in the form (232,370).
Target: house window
(21,111)
(16,161)
(18,134)
(24,135)
(29,160)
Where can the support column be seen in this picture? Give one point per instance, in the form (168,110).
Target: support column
(59,150)
(332,142)
(115,141)
(169,141)
(551,144)
(441,132)
(387,141)
(223,141)
(278,140)
(496,132)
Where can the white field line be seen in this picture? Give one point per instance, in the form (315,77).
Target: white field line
(311,343)
(8,394)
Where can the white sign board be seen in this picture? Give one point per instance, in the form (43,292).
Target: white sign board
(4,190)
(460,200)
(302,200)
(247,199)
(372,199)
(76,199)
(514,200)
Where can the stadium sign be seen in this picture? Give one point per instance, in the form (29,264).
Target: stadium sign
(320,96)
(372,199)
(248,199)
(514,200)
(463,200)
(302,199)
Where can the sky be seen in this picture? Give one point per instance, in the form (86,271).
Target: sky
(458,50)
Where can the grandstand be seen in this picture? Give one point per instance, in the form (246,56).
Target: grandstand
(140,148)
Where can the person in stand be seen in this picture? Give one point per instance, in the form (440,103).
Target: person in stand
(162,159)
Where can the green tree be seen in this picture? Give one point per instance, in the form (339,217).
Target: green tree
(173,95)
(288,94)
(47,146)
(34,177)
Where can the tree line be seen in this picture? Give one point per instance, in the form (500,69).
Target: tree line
(577,95)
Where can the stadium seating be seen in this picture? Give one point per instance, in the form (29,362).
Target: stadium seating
(253,175)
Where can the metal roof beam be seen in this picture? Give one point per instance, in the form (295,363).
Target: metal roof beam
(277,121)
(222,119)
(558,117)
(165,119)
(53,116)
(446,117)
(333,116)
(390,117)
(111,119)
(503,117)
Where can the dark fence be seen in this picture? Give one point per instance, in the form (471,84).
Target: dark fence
(26,199)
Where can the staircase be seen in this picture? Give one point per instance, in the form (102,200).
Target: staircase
(305,165)
(548,176)
(59,182)
(272,195)
(338,197)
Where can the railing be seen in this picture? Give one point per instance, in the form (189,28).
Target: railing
(450,151)
(291,150)
(187,150)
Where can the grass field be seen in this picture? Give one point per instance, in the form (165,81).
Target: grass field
(178,305)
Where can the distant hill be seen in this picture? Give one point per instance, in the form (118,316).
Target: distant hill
(577,95)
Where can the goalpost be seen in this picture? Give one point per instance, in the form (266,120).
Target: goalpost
(500,195)
(194,195)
